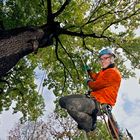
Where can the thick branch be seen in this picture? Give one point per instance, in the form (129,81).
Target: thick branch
(81,34)
(19,42)
(49,7)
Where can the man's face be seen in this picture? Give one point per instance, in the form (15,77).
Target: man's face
(105,60)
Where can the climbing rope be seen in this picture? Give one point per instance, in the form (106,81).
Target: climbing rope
(112,122)
(107,127)
(41,87)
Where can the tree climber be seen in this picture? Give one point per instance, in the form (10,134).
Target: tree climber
(104,85)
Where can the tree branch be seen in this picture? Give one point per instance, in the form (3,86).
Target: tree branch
(62,8)
(129,53)
(95,10)
(68,56)
(90,21)
(81,34)
(117,21)
(61,62)
(64,80)
(49,14)
(84,45)
(105,14)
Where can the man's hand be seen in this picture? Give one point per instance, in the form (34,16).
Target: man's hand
(86,68)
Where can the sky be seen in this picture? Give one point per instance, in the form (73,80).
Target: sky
(126,110)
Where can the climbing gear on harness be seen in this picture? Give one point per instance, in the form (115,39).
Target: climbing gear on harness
(87,94)
(112,125)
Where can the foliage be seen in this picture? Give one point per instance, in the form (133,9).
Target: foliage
(89,26)
(21,91)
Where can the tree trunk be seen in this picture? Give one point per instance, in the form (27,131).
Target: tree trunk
(19,42)
(15,44)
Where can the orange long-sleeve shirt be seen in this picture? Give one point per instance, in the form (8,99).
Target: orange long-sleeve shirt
(105,85)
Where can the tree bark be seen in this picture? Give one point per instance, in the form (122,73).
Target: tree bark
(15,44)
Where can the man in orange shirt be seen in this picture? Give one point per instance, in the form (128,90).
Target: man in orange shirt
(104,85)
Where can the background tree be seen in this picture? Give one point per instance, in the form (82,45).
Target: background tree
(65,30)
(56,127)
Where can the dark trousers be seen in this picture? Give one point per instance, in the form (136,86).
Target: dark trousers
(81,109)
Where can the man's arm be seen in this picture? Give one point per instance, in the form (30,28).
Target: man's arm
(109,78)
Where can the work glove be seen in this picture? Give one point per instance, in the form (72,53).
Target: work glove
(86,68)
(87,80)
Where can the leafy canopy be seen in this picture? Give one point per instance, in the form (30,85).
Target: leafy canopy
(88,25)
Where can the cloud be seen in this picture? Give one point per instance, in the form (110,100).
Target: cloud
(127,110)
